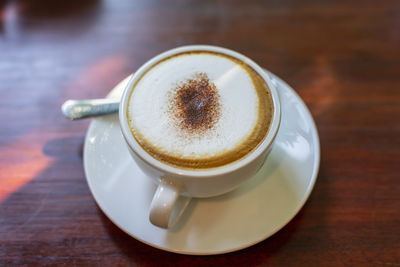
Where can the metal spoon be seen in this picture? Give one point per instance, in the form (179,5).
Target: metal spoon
(79,109)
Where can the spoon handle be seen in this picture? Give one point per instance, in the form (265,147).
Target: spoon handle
(79,109)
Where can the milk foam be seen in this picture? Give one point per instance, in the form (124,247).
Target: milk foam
(148,106)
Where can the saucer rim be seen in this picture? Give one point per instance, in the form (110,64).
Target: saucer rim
(316,166)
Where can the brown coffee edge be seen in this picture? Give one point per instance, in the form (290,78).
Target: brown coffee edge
(244,147)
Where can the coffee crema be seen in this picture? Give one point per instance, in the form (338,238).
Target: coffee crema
(199,110)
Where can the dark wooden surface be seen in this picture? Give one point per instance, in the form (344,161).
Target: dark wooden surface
(342,57)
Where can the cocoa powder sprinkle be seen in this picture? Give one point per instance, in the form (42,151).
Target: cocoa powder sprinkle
(194,104)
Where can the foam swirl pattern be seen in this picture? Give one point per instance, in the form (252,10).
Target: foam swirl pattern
(245,109)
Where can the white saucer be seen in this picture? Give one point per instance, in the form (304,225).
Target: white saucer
(244,217)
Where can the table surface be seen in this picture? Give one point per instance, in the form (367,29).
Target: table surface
(342,57)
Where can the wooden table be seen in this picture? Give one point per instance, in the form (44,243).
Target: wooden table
(342,57)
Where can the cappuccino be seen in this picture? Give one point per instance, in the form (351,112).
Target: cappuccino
(199,110)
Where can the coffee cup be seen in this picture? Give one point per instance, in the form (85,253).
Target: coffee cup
(199,121)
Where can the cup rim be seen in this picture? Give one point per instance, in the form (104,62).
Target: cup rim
(207,172)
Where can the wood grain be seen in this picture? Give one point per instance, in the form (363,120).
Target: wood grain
(342,57)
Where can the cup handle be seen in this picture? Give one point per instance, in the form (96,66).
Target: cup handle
(165,208)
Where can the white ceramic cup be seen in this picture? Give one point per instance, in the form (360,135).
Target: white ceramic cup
(173,181)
